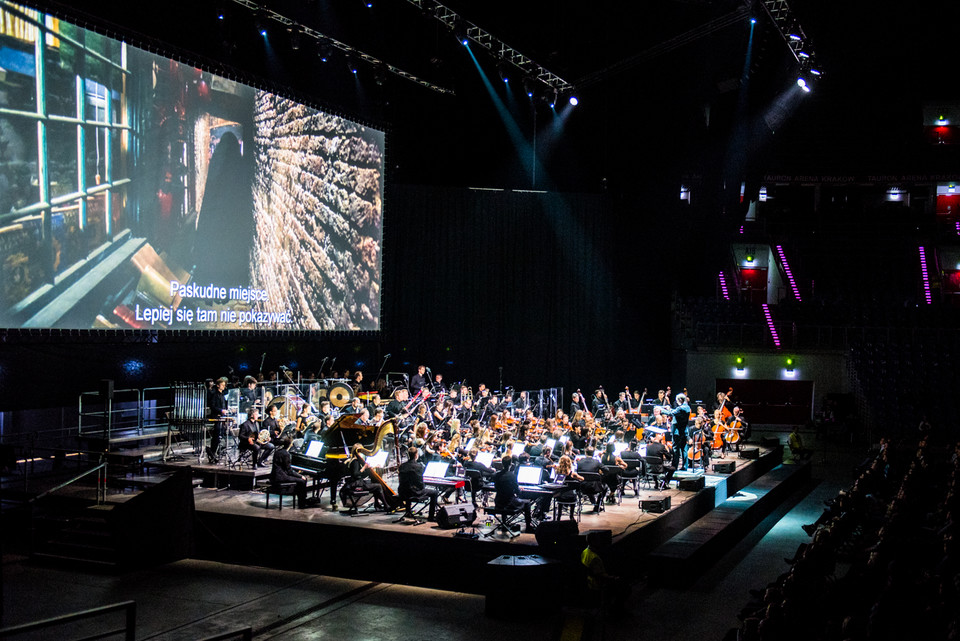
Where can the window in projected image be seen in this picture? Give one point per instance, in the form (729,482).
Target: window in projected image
(137,192)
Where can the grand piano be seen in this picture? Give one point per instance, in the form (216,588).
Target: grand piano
(325,459)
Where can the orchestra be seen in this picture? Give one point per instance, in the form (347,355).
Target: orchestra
(331,433)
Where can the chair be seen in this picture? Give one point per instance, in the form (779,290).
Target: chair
(477,486)
(592,488)
(630,476)
(281,490)
(354,496)
(505,519)
(653,472)
(613,472)
(572,502)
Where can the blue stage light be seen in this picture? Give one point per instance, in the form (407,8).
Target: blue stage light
(574,101)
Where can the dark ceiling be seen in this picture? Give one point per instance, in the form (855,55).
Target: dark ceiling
(659,82)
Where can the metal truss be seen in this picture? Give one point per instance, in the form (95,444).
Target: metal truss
(497,48)
(343,47)
(792,33)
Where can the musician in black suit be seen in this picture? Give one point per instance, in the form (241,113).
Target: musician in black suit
(249,395)
(283,472)
(575,403)
(360,477)
(249,430)
(658,449)
(508,491)
(419,380)
(395,406)
(411,487)
(594,489)
(216,410)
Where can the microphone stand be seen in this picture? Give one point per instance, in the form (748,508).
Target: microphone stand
(382,365)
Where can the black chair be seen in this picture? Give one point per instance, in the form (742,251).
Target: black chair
(570,499)
(282,490)
(630,476)
(354,496)
(592,488)
(477,486)
(653,472)
(505,519)
(611,477)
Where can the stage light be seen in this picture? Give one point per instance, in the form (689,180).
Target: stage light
(294,35)
(803,85)
(803,54)
(815,72)
(574,101)
(794,37)
(749,258)
(460,33)
(753,21)
(789,362)
(528,86)
(504,72)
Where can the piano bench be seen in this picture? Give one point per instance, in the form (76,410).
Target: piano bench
(504,518)
(281,490)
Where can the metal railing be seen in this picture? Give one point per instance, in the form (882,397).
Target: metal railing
(129,608)
(242,634)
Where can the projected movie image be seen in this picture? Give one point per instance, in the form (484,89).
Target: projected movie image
(140,193)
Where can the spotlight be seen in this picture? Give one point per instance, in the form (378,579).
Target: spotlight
(574,101)
(294,34)
(352,65)
(504,72)
(815,72)
(260,23)
(324,52)
(753,21)
(552,97)
(460,33)
(803,84)
(528,86)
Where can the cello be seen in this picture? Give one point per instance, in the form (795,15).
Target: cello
(695,453)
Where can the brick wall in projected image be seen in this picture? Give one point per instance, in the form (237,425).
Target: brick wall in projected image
(318,211)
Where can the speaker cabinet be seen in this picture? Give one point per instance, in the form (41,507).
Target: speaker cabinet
(750,453)
(657,506)
(694,484)
(726,467)
(454,516)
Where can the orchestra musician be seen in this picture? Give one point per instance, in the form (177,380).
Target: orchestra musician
(360,476)
(411,487)
(736,427)
(216,410)
(658,449)
(249,431)
(354,407)
(396,406)
(283,472)
(680,416)
(575,404)
(599,405)
(611,459)
(248,394)
(438,387)
(272,424)
(357,383)
(508,491)
(419,380)
(598,489)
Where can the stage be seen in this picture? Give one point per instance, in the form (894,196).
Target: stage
(236,526)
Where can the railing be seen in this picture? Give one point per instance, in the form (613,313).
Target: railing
(129,608)
(101,470)
(104,416)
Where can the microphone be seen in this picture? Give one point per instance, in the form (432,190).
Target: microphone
(387,356)
(283,368)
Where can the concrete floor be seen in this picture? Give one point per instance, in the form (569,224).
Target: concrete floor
(193,599)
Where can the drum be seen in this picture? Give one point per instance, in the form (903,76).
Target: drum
(340,395)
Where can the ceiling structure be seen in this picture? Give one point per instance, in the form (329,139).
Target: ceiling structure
(662,85)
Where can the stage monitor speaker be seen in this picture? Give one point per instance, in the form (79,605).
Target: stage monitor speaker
(106,389)
(556,533)
(726,467)
(750,452)
(454,516)
(694,484)
(656,506)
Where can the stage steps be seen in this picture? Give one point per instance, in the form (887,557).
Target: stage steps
(83,537)
(709,537)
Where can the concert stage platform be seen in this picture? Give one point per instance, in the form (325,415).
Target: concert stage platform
(236,526)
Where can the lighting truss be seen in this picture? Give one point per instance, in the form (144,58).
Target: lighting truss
(501,51)
(323,39)
(792,33)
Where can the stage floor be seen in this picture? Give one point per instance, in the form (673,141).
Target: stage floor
(621,519)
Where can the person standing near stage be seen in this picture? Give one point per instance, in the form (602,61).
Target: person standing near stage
(680,416)
(216,411)
(419,380)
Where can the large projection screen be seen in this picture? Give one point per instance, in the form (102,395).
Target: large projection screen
(137,192)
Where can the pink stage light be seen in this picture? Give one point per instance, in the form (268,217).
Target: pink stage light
(770,325)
